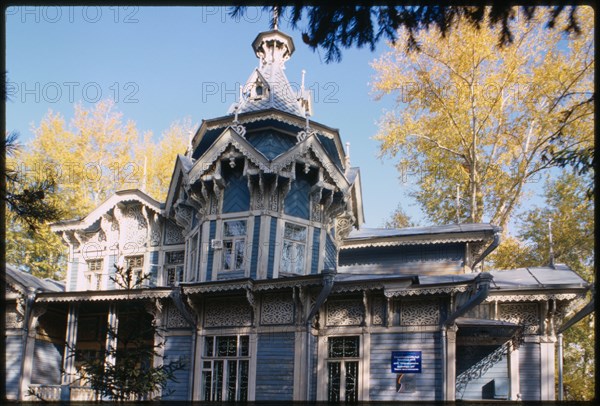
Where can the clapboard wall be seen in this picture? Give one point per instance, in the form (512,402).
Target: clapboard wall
(529,371)
(275,367)
(428,384)
(179,347)
(47,361)
(13,353)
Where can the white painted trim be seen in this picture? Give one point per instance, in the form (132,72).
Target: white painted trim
(248,245)
(263,255)
(204,247)
(547,391)
(513,373)
(217,254)
(322,244)
(278,246)
(309,251)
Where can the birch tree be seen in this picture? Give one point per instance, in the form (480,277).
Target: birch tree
(480,117)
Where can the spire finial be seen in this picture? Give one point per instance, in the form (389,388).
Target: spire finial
(275,17)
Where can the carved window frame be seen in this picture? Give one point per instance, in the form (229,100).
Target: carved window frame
(288,240)
(173,269)
(236,240)
(94,276)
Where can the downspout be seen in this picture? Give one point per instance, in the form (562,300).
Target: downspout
(482,281)
(495,243)
(327,282)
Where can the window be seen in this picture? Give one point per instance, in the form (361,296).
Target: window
(294,249)
(174,267)
(342,369)
(234,240)
(136,263)
(225,368)
(93,276)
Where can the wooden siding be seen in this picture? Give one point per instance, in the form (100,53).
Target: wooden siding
(211,252)
(236,197)
(314,269)
(153,269)
(47,361)
(297,201)
(112,260)
(74,274)
(271,144)
(428,384)
(383,260)
(272,242)
(330,254)
(13,354)
(225,275)
(275,367)
(529,371)
(467,356)
(178,347)
(255,247)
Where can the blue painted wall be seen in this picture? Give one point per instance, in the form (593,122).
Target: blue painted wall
(275,367)
(428,384)
(255,247)
(330,254)
(13,351)
(74,272)
(297,201)
(176,347)
(388,259)
(237,196)
(153,268)
(314,266)
(211,252)
(270,143)
(272,235)
(47,361)
(529,371)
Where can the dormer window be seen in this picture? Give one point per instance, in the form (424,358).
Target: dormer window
(293,257)
(259,89)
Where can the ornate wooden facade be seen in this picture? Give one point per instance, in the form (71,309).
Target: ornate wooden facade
(265,281)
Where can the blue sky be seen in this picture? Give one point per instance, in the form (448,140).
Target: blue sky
(165,64)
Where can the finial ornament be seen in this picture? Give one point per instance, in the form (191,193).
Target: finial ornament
(275,17)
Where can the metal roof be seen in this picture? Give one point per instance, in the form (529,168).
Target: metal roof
(561,276)
(23,280)
(365,233)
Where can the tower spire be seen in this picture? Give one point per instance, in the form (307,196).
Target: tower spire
(275,17)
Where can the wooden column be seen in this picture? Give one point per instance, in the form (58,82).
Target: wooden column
(451,364)
(68,374)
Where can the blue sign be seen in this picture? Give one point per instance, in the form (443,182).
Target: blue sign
(406,362)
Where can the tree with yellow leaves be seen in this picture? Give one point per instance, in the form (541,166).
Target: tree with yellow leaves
(88,160)
(481,117)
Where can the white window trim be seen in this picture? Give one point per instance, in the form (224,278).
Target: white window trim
(281,241)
